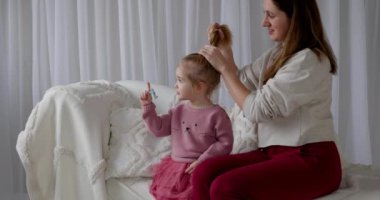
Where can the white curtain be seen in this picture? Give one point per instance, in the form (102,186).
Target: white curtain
(50,42)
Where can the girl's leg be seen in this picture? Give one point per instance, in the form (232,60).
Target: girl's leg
(312,172)
(209,169)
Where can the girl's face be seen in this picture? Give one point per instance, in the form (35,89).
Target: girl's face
(276,21)
(183,84)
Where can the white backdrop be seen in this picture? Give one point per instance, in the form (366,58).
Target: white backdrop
(48,42)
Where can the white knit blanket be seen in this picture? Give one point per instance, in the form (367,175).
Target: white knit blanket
(66,140)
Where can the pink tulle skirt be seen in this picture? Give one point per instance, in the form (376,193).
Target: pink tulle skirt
(170,181)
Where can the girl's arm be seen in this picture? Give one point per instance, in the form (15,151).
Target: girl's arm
(159,125)
(222,146)
(224,137)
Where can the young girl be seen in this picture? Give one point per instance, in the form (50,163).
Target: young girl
(199,129)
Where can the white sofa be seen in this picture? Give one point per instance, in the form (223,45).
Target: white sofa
(66,147)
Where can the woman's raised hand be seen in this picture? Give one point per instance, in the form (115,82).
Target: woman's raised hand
(214,56)
(220,58)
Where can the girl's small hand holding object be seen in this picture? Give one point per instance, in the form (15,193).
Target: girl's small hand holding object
(145,97)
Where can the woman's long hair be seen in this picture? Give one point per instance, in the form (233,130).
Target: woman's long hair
(305,31)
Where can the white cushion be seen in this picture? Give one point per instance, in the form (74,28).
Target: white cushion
(132,148)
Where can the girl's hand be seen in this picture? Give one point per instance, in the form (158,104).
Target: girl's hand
(145,97)
(192,166)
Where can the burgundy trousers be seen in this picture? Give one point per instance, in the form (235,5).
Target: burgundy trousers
(271,173)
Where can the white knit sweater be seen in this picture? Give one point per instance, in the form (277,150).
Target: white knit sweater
(292,108)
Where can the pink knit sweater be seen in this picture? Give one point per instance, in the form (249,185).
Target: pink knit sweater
(196,133)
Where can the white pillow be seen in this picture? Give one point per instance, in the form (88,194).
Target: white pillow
(133,149)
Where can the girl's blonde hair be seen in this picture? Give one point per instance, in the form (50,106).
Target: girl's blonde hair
(203,71)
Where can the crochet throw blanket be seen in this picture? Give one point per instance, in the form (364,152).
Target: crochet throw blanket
(65,141)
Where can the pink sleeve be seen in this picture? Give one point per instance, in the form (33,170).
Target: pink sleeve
(224,134)
(158,125)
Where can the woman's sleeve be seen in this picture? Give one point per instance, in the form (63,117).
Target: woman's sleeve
(294,85)
(249,75)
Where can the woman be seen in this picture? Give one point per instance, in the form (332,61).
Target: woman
(287,93)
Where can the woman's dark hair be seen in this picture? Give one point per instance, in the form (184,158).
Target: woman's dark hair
(305,31)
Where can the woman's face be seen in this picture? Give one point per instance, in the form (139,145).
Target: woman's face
(275,20)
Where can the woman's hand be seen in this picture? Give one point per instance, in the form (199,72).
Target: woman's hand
(145,97)
(221,58)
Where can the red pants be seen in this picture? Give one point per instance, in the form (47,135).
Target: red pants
(271,173)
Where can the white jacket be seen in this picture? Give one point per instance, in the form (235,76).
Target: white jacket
(292,108)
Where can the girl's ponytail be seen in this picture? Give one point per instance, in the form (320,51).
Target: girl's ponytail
(219,35)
